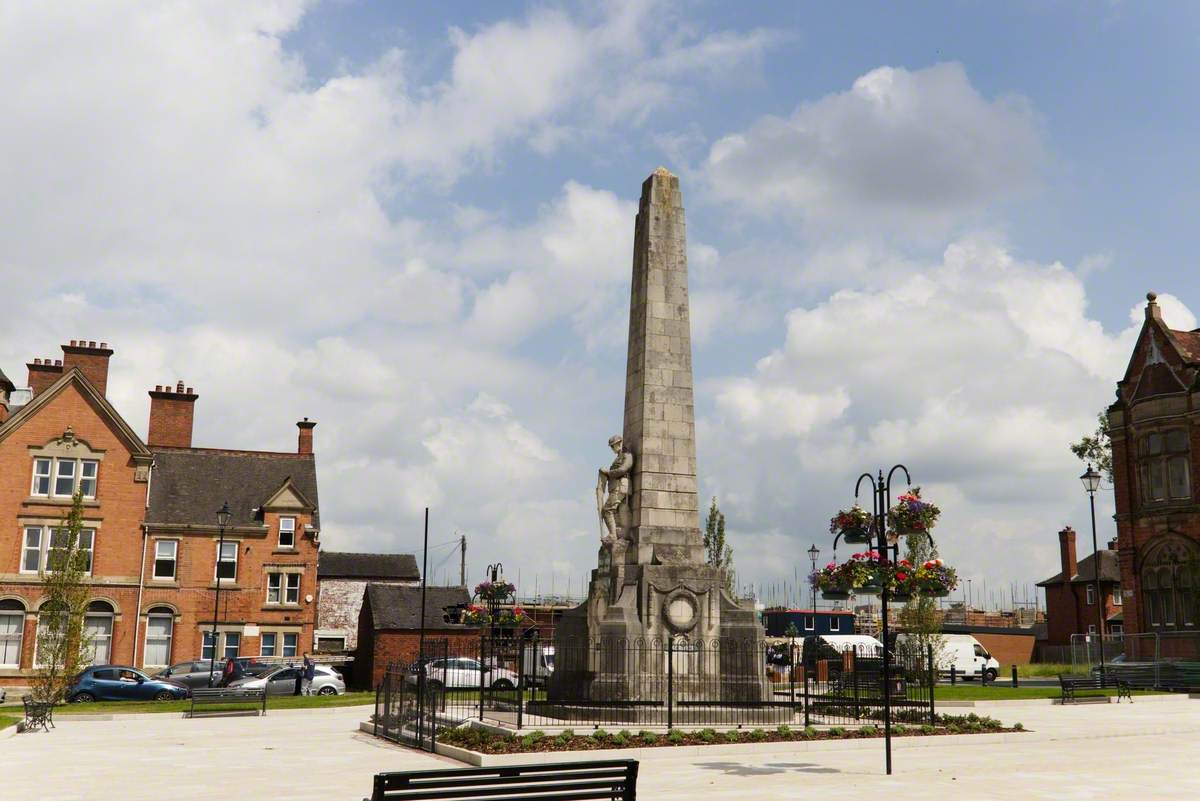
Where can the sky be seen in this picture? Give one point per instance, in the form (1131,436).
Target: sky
(917,234)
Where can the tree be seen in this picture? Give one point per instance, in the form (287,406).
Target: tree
(717,552)
(1096,449)
(63,644)
(919,618)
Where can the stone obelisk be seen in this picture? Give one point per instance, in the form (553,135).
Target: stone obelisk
(652,585)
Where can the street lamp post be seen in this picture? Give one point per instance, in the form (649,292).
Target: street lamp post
(1091,483)
(223,517)
(813,553)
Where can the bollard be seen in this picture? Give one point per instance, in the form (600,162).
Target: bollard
(1014,672)
(953,675)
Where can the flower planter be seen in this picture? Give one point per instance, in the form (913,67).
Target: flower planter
(904,530)
(870,589)
(899,597)
(856,536)
(942,593)
(834,595)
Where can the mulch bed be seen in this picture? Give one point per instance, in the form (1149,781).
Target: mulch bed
(483,741)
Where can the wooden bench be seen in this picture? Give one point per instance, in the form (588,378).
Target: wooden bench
(207,696)
(1072,684)
(37,713)
(611,780)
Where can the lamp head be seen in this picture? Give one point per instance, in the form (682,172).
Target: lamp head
(1091,480)
(224,515)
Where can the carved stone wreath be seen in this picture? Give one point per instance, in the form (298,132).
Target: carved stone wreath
(680,610)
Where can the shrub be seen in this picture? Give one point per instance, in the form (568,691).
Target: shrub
(899,730)
(621,738)
(1018,726)
(600,734)
(758,735)
(675,736)
(648,737)
(567,734)
(837,731)
(868,731)
(784,730)
(733,736)
(708,735)
(927,729)
(810,732)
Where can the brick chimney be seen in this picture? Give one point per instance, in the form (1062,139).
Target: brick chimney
(91,359)
(1066,549)
(171,411)
(1112,544)
(43,373)
(305,443)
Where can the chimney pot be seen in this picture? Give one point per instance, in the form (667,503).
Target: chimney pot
(90,361)
(1066,550)
(158,387)
(104,345)
(171,415)
(305,440)
(92,344)
(57,362)
(37,361)
(72,343)
(189,390)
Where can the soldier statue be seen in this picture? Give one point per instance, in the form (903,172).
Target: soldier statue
(616,480)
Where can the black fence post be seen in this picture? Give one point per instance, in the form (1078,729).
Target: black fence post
(953,675)
(806,697)
(520,680)
(791,666)
(854,680)
(933,675)
(670,682)
(1014,677)
(482,679)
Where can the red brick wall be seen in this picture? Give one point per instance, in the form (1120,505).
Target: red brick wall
(403,647)
(171,413)
(1008,649)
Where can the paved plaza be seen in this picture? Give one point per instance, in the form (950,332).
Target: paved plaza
(1148,749)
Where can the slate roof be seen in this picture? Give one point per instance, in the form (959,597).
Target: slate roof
(395,606)
(1188,344)
(190,484)
(334,564)
(1110,570)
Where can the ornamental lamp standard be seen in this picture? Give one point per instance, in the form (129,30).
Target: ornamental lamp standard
(1091,483)
(223,517)
(813,553)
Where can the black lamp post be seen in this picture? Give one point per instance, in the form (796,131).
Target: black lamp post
(223,516)
(813,553)
(1091,483)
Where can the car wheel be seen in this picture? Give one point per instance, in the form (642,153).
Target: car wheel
(989,676)
(82,698)
(164,695)
(502,684)
(327,691)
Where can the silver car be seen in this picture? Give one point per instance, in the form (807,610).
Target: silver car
(282,681)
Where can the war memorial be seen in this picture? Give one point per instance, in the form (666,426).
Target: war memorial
(653,603)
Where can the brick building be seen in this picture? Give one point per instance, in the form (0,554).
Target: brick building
(343,578)
(150,510)
(1154,426)
(389,628)
(1071,599)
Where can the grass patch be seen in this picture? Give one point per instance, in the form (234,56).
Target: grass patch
(273,702)
(10,720)
(965,692)
(1046,670)
(481,740)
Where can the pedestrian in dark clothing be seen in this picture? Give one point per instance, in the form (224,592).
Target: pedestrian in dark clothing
(299,679)
(310,673)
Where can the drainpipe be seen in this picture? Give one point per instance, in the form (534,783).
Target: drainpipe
(137,613)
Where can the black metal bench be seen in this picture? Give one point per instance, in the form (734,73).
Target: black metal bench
(610,780)
(1072,684)
(37,713)
(208,696)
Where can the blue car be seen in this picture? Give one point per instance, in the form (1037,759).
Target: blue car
(122,683)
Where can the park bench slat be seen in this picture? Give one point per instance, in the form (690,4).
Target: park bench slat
(1071,683)
(223,695)
(568,781)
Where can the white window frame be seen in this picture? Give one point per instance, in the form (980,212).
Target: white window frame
(34,489)
(1116,596)
(169,638)
(262,644)
(94,478)
(237,645)
(274,588)
(46,536)
(291,529)
(217,567)
(18,638)
(810,622)
(835,623)
(1091,595)
(174,560)
(291,594)
(1116,629)
(1092,629)
(294,646)
(58,476)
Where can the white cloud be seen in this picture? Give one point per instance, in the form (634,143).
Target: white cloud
(901,148)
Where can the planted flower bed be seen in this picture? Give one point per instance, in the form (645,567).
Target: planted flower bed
(487,742)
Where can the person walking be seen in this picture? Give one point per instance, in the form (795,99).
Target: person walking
(310,673)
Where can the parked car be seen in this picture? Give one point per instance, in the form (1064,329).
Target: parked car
(196,673)
(122,683)
(282,681)
(464,673)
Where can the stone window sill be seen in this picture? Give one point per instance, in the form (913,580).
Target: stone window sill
(35,500)
(225,585)
(171,584)
(281,607)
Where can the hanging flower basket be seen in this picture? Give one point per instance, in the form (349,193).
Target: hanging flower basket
(494,590)
(911,515)
(475,615)
(835,595)
(854,524)
(513,617)
(934,579)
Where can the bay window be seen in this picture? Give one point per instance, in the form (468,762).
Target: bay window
(1163,466)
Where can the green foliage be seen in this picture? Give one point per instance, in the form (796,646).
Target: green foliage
(648,737)
(600,734)
(733,736)
(810,732)
(63,644)
(758,735)
(919,618)
(784,730)
(708,735)
(621,738)
(868,731)
(927,729)
(1018,726)
(836,731)
(899,730)
(1096,449)
(675,736)
(718,553)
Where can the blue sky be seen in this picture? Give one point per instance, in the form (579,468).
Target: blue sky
(917,232)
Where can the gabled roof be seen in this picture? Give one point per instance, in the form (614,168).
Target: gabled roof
(395,606)
(189,485)
(1157,379)
(334,564)
(1110,570)
(1188,344)
(75,377)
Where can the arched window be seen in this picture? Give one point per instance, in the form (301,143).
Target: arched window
(12,631)
(1163,472)
(98,626)
(160,625)
(1170,577)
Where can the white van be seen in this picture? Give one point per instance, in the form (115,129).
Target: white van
(539,664)
(966,655)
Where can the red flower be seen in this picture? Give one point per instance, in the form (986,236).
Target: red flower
(901,577)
